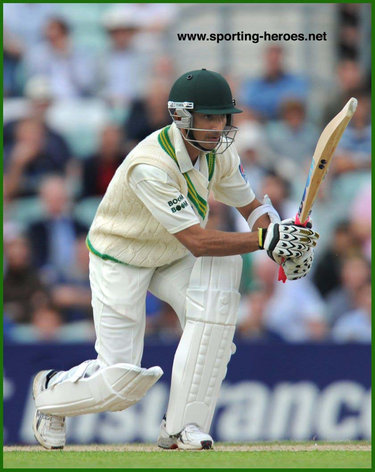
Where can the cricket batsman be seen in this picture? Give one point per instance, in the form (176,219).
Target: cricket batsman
(149,234)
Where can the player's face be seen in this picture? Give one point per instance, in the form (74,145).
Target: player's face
(212,127)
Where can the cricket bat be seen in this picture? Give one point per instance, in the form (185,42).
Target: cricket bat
(321,160)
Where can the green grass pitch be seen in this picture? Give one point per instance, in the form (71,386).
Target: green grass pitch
(259,455)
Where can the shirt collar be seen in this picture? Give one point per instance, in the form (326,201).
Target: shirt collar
(182,155)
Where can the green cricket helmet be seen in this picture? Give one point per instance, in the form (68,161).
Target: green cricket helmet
(207,92)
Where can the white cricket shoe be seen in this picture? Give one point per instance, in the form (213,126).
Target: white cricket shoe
(49,430)
(190,438)
(166,441)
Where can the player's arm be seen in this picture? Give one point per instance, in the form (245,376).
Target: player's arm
(278,240)
(157,191)
(210,242)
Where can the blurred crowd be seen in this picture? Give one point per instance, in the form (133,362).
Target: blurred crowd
(77,101)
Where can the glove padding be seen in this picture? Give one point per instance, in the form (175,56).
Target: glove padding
(298,267)
(283,241)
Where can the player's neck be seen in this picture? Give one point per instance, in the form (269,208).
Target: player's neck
(192,151)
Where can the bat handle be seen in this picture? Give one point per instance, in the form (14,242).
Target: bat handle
(282,276)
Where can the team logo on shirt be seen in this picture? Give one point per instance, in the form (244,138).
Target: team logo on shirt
(178,204)
(242,172)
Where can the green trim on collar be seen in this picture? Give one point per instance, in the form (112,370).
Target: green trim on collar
(211,159)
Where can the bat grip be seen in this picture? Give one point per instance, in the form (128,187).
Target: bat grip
(282,276)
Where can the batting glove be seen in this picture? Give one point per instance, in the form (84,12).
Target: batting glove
(283,241)
(298,267)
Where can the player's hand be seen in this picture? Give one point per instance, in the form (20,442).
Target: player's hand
(292,221)
(298,267)
(283,241)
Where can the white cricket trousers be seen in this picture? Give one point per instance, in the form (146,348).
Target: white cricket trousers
(118,302)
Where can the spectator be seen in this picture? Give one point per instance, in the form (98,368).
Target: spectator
(53,237)
(292,139)
(355,325)
(265,94)
(254,152)
(23,26)
(71,292)
(349,34)
(278,190)
(327,271)
(155,19)
(360,219)
(122,70)
(293,312)
(149,113)
(252,325)
(23,288)
(355,272)
(70,71)
(354,149)
(166,326)
(39,94)
(47,326)
(349,83)
(99,169)
(30,158)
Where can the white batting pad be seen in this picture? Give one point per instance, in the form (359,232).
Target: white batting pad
(205,347)
(112,388)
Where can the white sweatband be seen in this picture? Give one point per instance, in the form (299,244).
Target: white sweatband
(265,208)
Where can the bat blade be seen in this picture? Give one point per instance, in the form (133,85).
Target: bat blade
(325,148)
(322,157)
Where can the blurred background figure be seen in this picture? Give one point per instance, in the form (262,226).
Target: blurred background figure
(23,29)
(149,113)
(292,139)
(251,144)
(44,326)
(349,41)
(360,219)
(265,94)
(252,326)
(24,289)
(53,237)
(69,70)
(155,19)
(278,190)
(32,147)
(71,292)
(326,274)
(292,312)
(354,149)
(350,82)
(99,168)
(34,154)
(121,70)
(47,326)
(355,272)
(162,322)
(355,325)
